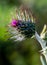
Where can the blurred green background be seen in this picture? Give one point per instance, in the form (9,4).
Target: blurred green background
(26,52)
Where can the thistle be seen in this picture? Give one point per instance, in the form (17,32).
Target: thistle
(23,26)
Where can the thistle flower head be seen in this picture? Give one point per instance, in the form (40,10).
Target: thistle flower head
(24,23)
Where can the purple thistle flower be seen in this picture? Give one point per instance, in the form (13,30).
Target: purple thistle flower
(23,24)
(14,23)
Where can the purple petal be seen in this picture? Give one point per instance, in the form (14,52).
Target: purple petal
(14,22)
